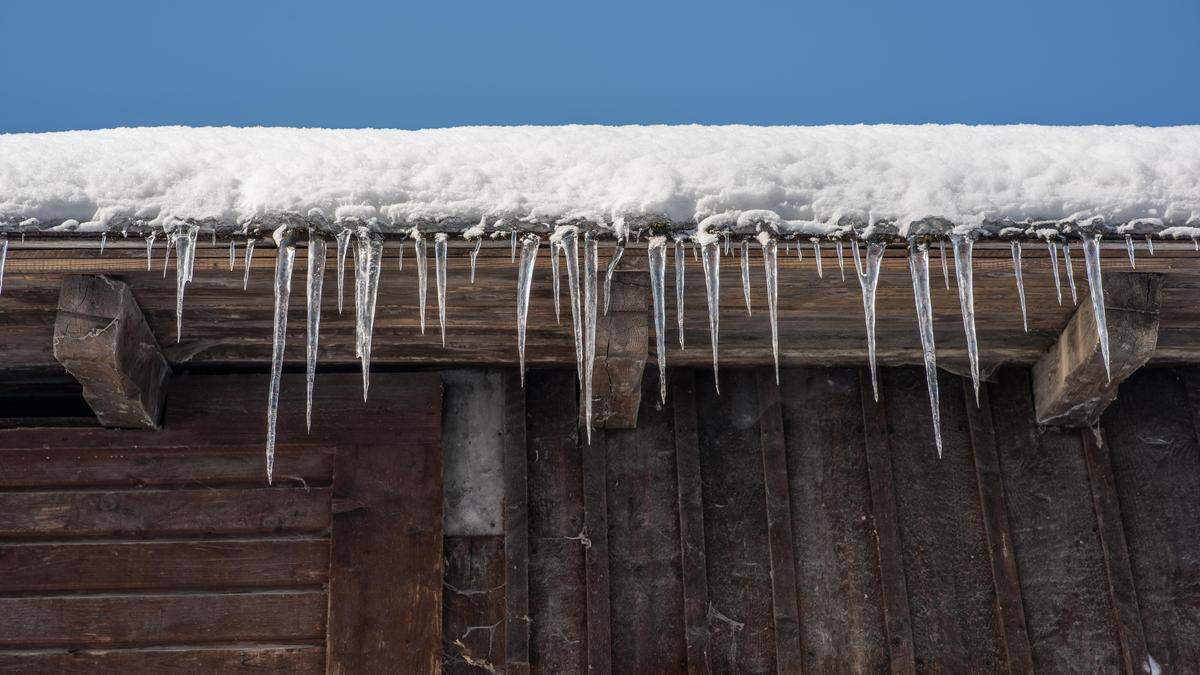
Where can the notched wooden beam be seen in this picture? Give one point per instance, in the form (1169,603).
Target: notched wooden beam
(621,349)
(1069,383)
(102,339)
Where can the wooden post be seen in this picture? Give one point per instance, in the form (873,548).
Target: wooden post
(1069,382)
(621,348)
(102,339)
(516,529)
(691,522)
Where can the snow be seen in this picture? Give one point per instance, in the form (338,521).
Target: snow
(798,179)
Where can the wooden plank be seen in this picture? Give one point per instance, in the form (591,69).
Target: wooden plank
(622,337)
(595,554)
(894,586)
(473,600)
(946,564)
(177,565)
(646,582)
(93,621)
(784,599)
(1121,589)
(694,566)
(837,563)
(1064,587)
(149,513)
(1071,385)
(385,577)
(516,528)
(1010,613)
(557,536)
(1151,434)
(102,339)
(167,660)
(740,612)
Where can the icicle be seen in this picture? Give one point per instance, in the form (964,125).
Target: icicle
(746,274)
(570,248)
(185,251)
(150,249)
(422,275)
(711,259)
(1053,248)
(680,269)
(965,276)
(837,247)
(799,250)
(656,252)
(817,253)
(167,255)
(1196,243)
(400,257)
(1066,251)
(284,260)
(918,267)
(618,251)
(728,244)
(3,258)
(1129,250)
(232,254)
(343,245)
(1016,258)
(555,249)
(591,270)
(771,270)
(103,241)
(1150,244)
(317,250)
(1091,262)
(945,267)
(213,232)
(249,259)
(514,246)
(368,262)
(868,281)
(474,257)
(529,251)
(439,270)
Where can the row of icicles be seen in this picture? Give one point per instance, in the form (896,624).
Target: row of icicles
(582,284)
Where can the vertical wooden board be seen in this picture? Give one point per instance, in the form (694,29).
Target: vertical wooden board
(1152,438)
(1063,586)
(946,564)
(646,582)
(836,559)
(385,581)
(740,612)
(595,553)
(557,585)
(516,528)
(473,600)
(693,566)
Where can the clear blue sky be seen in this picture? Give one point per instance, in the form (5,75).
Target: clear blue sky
(93,64)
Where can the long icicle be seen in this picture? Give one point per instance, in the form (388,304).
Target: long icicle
(555,249)
(1091,261)
(368,256)
(945,267)
(249,259)
(680,281)
(317,251)
(1016,258)
(837,247)
(422,275)
(591,271)
(474,256)
(570,247)
(710,258)
(167,255)
(343,245)
(965,276)
(918,267)
(150,250)
(529,251)
(1150,244)
(816,243)
(656,253)
(868,281)
(232,254)
(1129,250)
(771,272)
(1053,248)
(745,263)
(185,251)
(3,258)
(440,242)
(285,258)
(618,251)
(1066,251)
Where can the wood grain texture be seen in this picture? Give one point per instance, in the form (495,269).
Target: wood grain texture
(516,527)
(168,661)
(694,563)
(473,601)
(595,553)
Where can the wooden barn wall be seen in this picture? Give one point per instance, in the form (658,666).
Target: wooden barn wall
(809,528)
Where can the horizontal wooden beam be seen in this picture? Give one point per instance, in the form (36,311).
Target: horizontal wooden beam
(102,339)
(1070,383)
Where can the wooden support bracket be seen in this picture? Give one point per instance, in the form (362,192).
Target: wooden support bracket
(621,350)
(1070,387)
(102,339)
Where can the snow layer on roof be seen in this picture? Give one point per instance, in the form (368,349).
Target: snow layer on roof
(678,173)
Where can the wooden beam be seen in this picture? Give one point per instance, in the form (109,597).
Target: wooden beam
(516,529)
(691,522)
(102,339)
(621,348)
(1070,385)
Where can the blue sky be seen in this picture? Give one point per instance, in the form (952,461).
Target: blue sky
(83,65)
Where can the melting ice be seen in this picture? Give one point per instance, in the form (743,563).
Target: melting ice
(529,251)
(317,250)
(918,267)
(656,252)
(964,274)
(284,260)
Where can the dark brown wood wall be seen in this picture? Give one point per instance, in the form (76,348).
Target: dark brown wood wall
(809,528)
